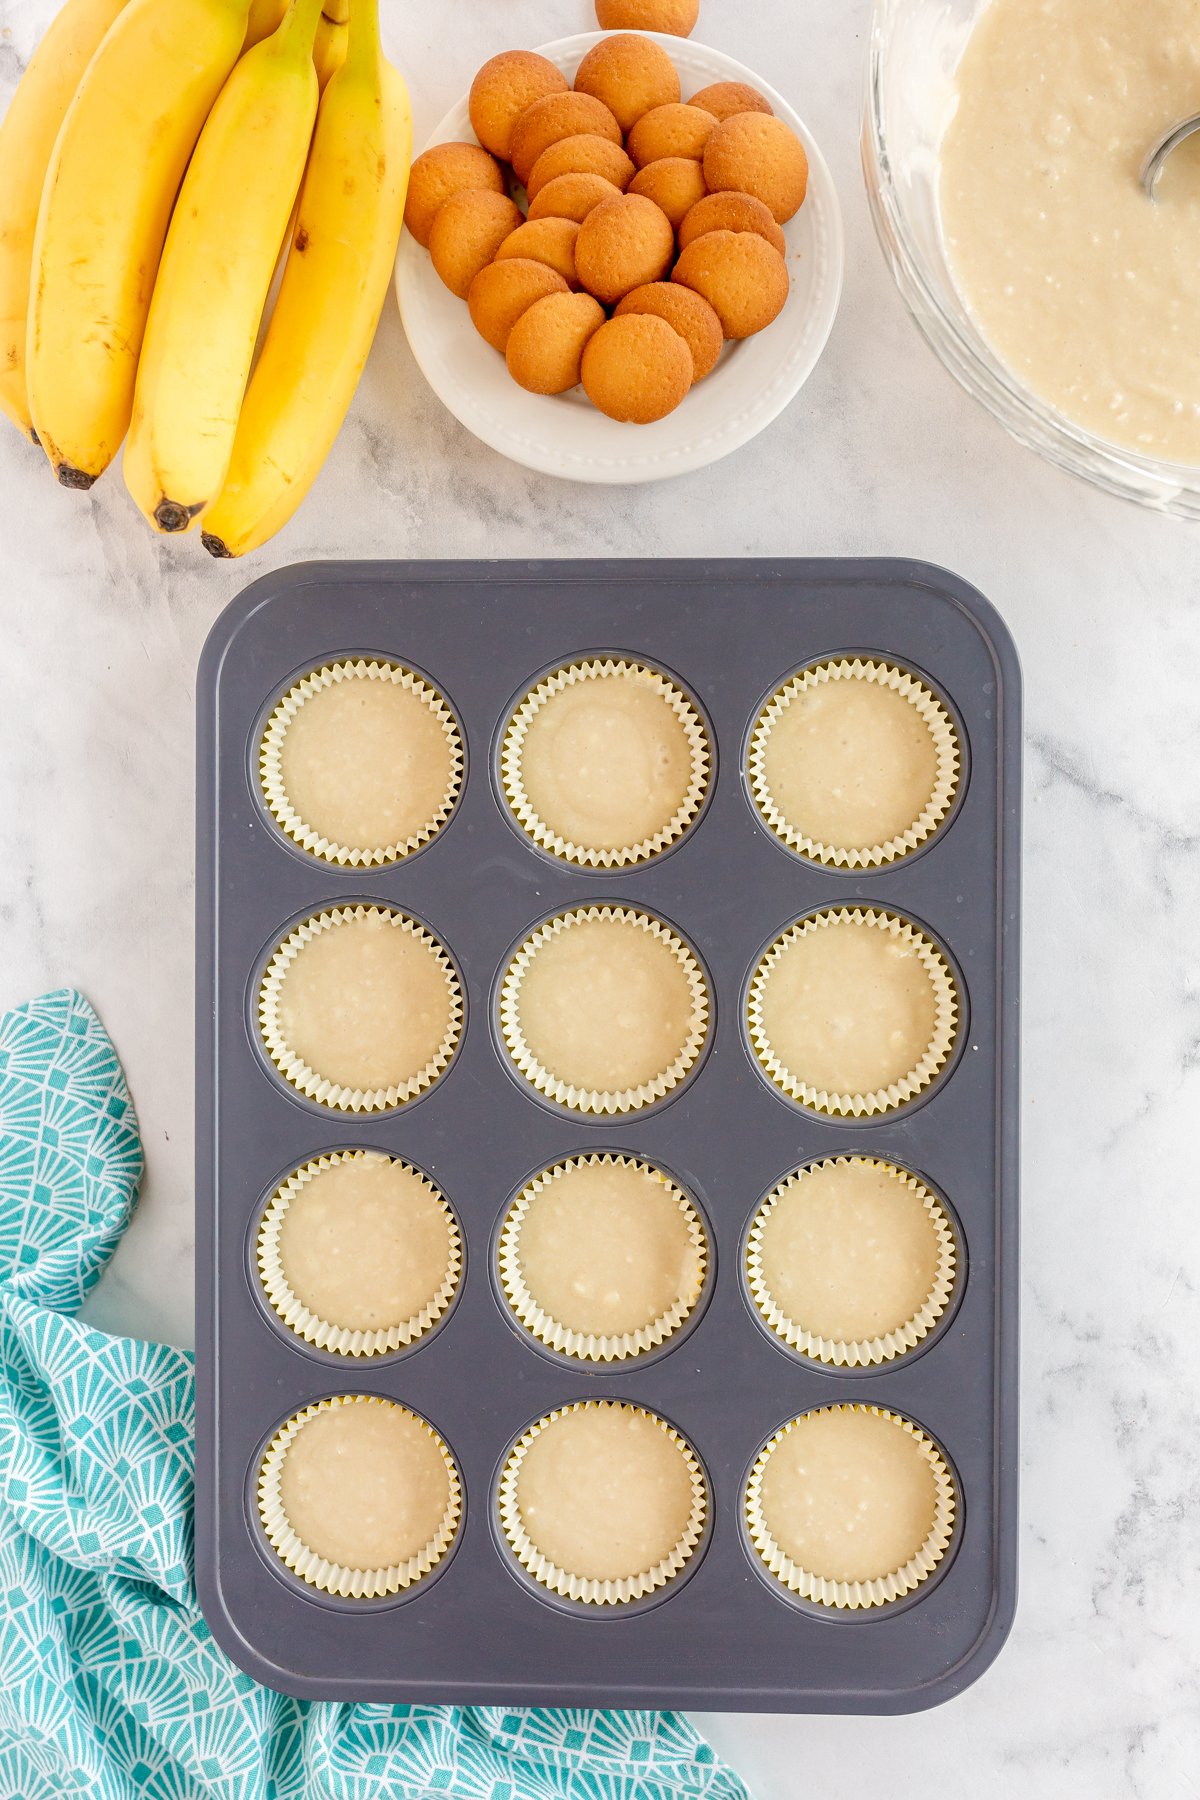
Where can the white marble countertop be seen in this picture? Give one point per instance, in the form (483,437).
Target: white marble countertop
(1096,1694)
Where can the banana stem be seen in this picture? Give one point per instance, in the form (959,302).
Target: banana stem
(264,18)
(299,27)
(364,52)
(329,48)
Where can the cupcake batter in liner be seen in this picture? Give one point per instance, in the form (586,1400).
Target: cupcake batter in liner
(310,1486)
(433,754)
(865,1494)
(906,735)
(416,961)
(922,1012)
(307,1320)
(574,1477)
(594,1278)
(636,763)
(831,1265)
(573,988)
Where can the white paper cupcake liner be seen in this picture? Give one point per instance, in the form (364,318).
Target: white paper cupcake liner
(847,1352)
(927,1066)
(324,1333)
(523,809)
(593,1100)
(586,1346)
(330,1577)
(855,1595)
(588,1591)
(310,1081)
(270,764)
(941,731)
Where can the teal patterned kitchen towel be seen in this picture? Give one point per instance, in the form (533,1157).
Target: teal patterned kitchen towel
(111,1686)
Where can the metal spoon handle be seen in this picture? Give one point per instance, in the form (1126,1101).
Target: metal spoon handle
(1153,166)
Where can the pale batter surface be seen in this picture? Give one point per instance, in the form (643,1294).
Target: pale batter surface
(849,1008)
(849,1496)
(365,1003)
(604,1249)
(850,764)
(605,1005)
(364,1485)
(604,1493)
(367,764)
(606,762)
(1084,287)
(365,1245)
(848,1252)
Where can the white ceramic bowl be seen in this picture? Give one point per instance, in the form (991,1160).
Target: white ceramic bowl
(565,435)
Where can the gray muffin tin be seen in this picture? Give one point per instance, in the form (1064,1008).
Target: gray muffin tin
(727,1636)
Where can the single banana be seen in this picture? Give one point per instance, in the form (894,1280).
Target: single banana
(333,35)
(215,275)
(27,136)
(335,282)
(110,186)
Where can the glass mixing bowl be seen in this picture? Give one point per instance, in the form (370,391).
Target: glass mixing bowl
(915,49)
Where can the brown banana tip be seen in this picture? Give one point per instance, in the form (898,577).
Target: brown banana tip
(34,439)
(214,545)
(70,477)
(169,515)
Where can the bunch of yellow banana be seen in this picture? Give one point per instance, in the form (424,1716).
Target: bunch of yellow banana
(155,158)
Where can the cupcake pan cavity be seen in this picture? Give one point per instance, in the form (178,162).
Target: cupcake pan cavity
(478,1628)
(301,1559)
(533,1313)
(323,1086)
(938,797)
(300,1313)
(676,1066)
(900,1577)
(591,676)
(341,678)
(912,1328)
(618,1592)
(933,1053)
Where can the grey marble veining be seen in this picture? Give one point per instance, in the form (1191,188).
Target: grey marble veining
(1096,1697)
